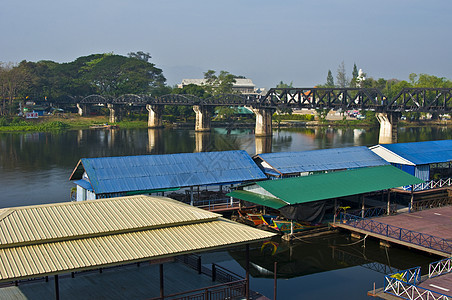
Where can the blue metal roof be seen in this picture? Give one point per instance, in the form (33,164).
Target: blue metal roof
(84,184)
(147,172)
(422,153)
(322,160)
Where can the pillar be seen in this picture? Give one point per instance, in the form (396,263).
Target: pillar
(114,113)
(155,116)
(263,121)
(388,127)
(83,109)
(203,116)
(263,144)
(202,141)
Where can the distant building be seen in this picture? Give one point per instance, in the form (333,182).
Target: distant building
(241,85)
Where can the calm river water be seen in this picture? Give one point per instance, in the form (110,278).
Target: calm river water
(35,169)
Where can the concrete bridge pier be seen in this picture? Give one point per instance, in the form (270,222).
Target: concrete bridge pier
(83,109)
(388,127)
(114,113)
(263,121)
(155,116)
(203,116)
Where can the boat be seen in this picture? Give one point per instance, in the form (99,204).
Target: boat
(285,226)
(250,218)
(103,126)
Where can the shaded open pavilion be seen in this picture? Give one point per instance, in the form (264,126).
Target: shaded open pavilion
(55,239)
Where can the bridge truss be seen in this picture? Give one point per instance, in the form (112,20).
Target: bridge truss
(408,99)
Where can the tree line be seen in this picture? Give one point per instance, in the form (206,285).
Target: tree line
(104,74)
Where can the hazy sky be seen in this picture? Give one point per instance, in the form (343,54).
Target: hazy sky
(268,41)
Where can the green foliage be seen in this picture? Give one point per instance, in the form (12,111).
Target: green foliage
(322,113)
(282,85)
(329,79)
(221,84)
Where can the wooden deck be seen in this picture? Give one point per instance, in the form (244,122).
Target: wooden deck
(436,222)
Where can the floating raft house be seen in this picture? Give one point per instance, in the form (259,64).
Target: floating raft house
(127,175)
(307,197)
(417,158)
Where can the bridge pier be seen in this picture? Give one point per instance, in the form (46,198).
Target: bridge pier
(263,121)
(83,109)
(388,127)
(203,116)
(114,113)
(155,116)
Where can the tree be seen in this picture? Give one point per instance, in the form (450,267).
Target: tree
(341,76)
(282,85)
(354,80)
(221,84)
(144,56)
(329,80)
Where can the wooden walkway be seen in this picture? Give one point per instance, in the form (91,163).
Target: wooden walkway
(436,222)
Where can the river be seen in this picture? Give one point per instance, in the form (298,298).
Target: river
(35,169)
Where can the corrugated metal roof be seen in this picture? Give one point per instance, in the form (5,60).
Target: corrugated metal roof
(258,199)
(338,184)
(420,153)
(148,172)
(59,238)
(322,160)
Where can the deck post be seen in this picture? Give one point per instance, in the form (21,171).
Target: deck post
(335,210)
(247,267)
(57,289)
(275,280)
(389,203)
(412,198)
(362,206)
(161,281)
(291,227)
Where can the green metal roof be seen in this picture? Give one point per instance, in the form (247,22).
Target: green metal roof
(338,184)
(258,199)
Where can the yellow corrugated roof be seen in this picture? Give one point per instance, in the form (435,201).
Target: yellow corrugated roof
(81,219)
(126,229)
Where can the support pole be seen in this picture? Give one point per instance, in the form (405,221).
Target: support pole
(362,206)
(412,198)
(162,293)
(247,267)
(335,210)
(275,280)
(57,288)
(191,196)
(389,201)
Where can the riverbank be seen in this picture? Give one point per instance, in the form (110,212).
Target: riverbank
(74,121)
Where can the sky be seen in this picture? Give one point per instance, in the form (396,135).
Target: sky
(293,41)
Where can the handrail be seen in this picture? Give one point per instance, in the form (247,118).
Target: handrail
(431,184)
(440,267)
(402,234)
(199,293)
(406,290)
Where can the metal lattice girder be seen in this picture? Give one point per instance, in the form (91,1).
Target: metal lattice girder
(422,99)
(176,99)
(95,99)
(229,100)
(130,99)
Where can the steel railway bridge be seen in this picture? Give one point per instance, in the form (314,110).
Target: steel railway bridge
(387,108)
